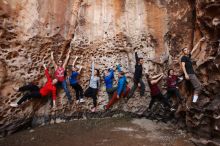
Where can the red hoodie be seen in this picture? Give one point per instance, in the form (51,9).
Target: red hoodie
(48,87)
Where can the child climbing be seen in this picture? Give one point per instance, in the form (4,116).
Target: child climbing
(60,74)
(74,82)
(36,92)
(94,85)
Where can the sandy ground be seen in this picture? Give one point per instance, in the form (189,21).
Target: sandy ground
(100,132)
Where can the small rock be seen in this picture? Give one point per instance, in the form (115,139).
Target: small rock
(31,131)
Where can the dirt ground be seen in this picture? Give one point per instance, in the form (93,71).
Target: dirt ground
(100,132)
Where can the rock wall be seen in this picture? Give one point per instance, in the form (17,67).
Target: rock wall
(31,29)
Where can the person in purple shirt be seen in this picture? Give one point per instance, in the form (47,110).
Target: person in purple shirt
(172,89)
(155,91)
(74,82)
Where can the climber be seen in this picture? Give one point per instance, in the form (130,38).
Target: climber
(94,85)
(74,82)
(60,74)
(138,76)
(155,91)
(36,92)
(108,79)
(122,89)
(189,73)
(172,89)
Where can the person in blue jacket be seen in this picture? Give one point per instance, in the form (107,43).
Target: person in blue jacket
(74,82)
(122,89)
(108,79)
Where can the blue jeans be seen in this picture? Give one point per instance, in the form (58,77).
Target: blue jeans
(66,90)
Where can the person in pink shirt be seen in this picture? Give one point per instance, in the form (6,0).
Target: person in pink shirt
(60,74)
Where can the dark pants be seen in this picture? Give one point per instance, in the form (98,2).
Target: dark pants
(160,98)
(34,93)
(110,92)
(196,83)
(79,91)
(92,92)
(63,84)
(134,87)
(114,98)
(174,92)
(29,87)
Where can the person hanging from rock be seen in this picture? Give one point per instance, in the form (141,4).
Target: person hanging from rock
(172,88)
(60,74)
(188,70)
(36,92)
(94,85)
(74,82)
(138,76)
(156,94)
(122,89)
(108,79)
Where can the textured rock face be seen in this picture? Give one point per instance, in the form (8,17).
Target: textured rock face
(31,29)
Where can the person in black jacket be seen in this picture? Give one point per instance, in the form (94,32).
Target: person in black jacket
(138,76)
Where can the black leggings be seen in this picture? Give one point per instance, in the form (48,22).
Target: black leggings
(92,92)
(29,87)
(79,91)
(174,92)
(160,98)
(34,93)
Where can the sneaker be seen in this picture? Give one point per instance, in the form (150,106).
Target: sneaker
(93,109)
(14,105)
(216,127)
(216,117)
(82,100)
(77,101)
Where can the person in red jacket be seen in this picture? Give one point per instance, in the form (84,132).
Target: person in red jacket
(36,92)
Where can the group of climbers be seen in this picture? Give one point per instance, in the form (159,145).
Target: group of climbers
(114,92)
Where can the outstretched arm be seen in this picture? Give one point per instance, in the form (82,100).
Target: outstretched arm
(52,59)
(136,57)
(74,62)
(157,80)
(80,69)
(67,58)
(156,76)
(129,54)
(198,45)
(47,73)
(93,68)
